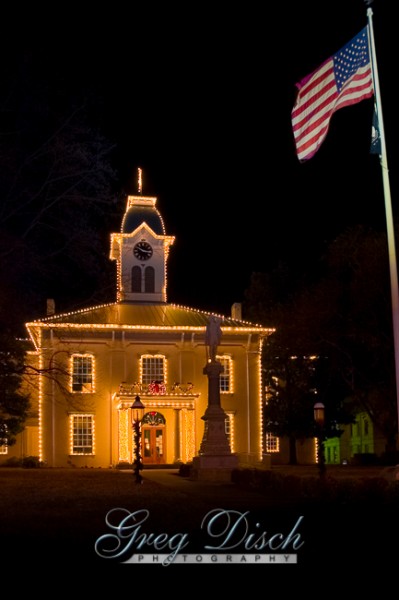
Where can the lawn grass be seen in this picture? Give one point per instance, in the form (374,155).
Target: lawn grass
(55,516)
(64,501)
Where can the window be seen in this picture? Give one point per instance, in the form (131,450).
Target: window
(82,373)
(226,379)
(4,439)
(153,368)
(229,429)
(136,279)
(335,455)
(149,280)
(82,434)
(272,443)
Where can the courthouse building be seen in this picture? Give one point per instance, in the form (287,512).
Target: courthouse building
(93,363)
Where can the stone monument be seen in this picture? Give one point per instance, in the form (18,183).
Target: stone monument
(215,461)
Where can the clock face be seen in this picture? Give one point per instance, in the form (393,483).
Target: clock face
(142,250)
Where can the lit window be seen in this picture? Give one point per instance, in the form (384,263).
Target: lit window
(272,443)
(3,438)
(82,434)
(83,373)
(229,429)
(153,368)
(226,383)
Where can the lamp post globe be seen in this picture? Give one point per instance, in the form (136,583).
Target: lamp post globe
(318,412)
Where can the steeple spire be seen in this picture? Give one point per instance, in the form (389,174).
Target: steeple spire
(140,180)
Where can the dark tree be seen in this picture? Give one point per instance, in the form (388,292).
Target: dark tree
(56,190)
(57,194)
(14,404)
(358,336)
(290,360)
(290,398)
(342,316)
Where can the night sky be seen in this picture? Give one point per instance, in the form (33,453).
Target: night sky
(200,98)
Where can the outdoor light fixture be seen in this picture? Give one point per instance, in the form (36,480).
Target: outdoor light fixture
(137,409)
(318,411)
(319,417)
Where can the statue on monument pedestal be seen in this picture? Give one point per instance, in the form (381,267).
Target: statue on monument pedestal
(213,336)
(215,460)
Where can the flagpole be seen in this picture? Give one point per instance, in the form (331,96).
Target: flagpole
(388,205)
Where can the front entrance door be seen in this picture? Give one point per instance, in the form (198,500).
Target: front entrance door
(153,444)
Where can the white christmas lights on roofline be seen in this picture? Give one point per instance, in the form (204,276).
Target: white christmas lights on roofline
(50,321)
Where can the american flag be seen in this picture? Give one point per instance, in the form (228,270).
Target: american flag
(342,80)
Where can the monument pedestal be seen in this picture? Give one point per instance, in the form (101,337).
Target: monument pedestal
(215,460)
(213,468)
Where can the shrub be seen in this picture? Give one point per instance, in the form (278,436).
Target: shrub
(329,491)
(364,459)
(185,470)
(31,462)
(390,458)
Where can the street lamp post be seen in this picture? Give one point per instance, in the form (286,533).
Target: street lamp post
(319,417)
(137,415)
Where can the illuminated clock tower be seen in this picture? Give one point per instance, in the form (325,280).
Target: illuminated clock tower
(141,251)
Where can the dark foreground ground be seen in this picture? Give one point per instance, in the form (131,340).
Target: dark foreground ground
(53,520)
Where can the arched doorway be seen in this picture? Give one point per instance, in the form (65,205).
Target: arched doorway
(153,438)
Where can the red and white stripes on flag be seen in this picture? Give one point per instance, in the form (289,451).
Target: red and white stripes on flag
(342,80)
